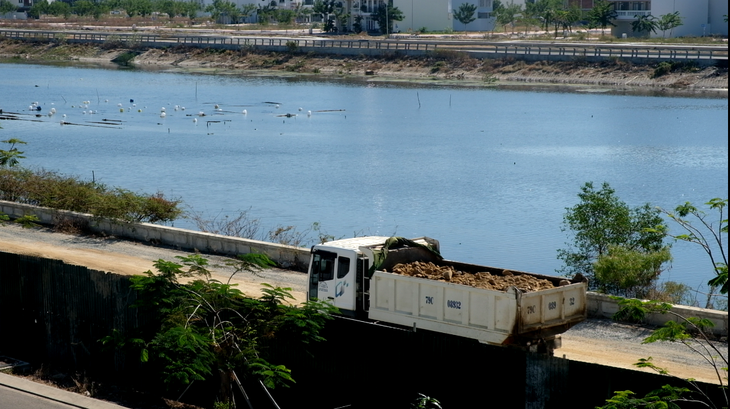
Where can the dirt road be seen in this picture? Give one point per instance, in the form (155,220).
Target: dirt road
(596,341)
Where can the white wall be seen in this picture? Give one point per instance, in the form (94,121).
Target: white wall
(480,23)
(435,15)
(694,14)
(718,9)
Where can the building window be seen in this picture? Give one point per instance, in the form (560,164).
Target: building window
(485,3)
(484,15)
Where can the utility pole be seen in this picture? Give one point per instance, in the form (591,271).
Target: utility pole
(387,11)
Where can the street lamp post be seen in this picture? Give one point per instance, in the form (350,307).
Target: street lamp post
(387,26)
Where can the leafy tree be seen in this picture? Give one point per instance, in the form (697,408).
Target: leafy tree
(285,16)
(689,331)
(707,234)
(170,7)
(84,7)
(9,158)
(38,9)
(545,10)
(59,8)
(669,22)
(507,15)
(602,15)
(385,15)
(266,12)
(630,273)
(602,223)
(465,13)
(137,7)
(341,16)
(247,10)
(644,24)
(223,8)
(206,327)
(7,7)
(565,18)
(357,24)
(324,8)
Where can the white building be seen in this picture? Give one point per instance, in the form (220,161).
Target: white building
(699,17)
(438,15)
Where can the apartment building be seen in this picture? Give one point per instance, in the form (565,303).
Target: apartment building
(699,17)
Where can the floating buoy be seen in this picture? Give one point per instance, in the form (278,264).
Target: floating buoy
(300,108)
(309,113)
(195,120)
(245,112)
(162,114)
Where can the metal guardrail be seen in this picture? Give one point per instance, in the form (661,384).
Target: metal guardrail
(214,41)
(679,52)
(476,48)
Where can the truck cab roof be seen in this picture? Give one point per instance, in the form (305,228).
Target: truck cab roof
(356,243)
(352,243)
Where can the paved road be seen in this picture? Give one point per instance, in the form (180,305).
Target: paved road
(20,393)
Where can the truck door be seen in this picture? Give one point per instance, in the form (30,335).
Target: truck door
(322,275)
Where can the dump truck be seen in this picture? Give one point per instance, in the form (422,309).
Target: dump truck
(406,283)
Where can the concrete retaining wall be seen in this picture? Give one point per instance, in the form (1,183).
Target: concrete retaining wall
(603,306)
(290,257)
(295,258)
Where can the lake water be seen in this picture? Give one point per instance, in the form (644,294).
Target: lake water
(487,172)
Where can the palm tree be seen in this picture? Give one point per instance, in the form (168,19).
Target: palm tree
(602,14)
(9,158)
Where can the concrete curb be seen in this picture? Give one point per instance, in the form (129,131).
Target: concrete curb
(54,394)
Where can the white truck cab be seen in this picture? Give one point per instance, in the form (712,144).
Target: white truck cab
(339,271)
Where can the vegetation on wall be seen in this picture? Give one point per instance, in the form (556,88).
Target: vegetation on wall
(207,329)
(692,332)
(56,191)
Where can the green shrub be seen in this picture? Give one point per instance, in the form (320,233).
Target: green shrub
(56,191)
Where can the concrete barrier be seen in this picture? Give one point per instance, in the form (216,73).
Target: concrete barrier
(603,306)
(290,257)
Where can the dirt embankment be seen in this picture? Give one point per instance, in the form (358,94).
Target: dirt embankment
(452,67)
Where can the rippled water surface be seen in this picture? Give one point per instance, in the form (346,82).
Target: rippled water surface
(489,173)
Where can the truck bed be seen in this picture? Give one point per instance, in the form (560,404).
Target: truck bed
(493,317)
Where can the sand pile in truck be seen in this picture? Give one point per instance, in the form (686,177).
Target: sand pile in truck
(431,271)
